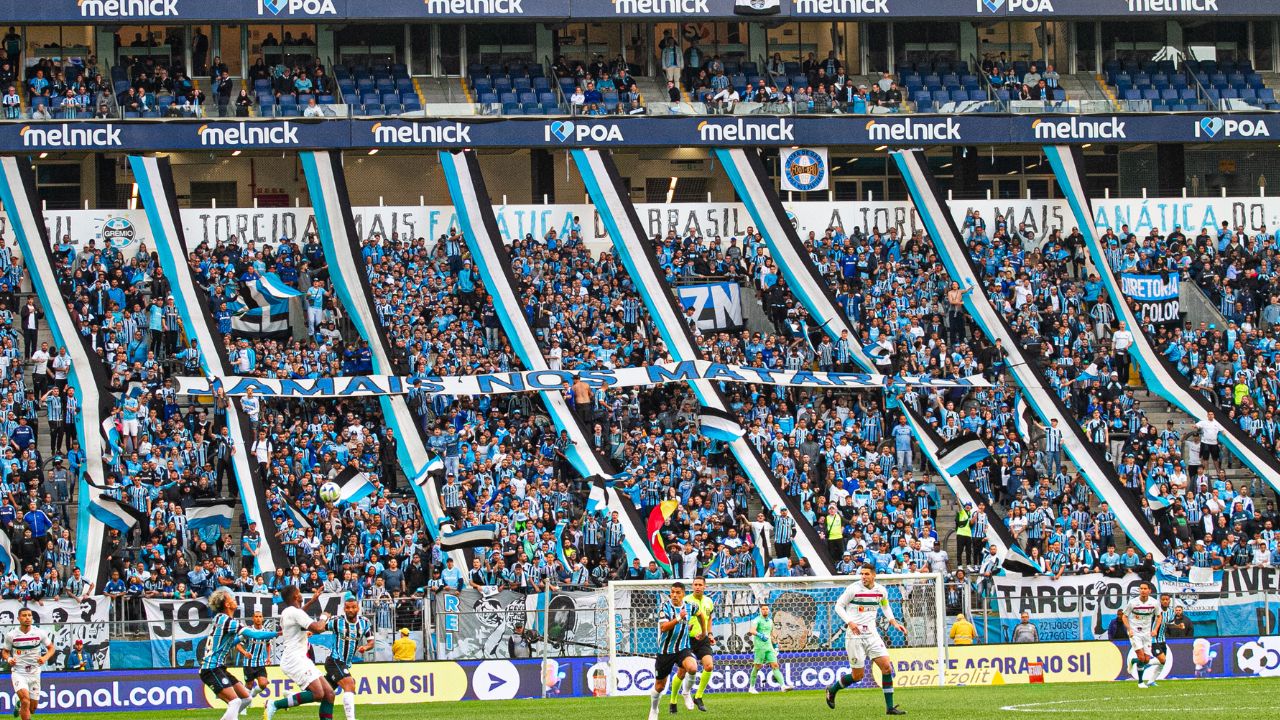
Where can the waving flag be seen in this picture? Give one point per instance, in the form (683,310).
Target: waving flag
(719,425)
(1023,418)
(116,514)
(962,453)
(211,515)
(657,518)
(877,351)
(266,302)
(356,485)
(559,533)
(6,554)
(1156,498)
(597,499)
(472,537)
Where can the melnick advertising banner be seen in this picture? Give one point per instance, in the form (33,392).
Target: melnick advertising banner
(296,12)
(892,130)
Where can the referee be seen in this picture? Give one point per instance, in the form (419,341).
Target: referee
(701,641)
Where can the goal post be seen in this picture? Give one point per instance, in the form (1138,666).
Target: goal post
(810,634)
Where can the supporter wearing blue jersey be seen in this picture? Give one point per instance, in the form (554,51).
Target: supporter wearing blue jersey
(674,616)
(352,635)
(223,640)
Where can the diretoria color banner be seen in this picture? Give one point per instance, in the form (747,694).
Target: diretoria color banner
(543,380)
(1156,296)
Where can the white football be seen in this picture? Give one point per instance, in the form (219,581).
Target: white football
(330,492)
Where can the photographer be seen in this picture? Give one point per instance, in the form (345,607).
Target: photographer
(520,642)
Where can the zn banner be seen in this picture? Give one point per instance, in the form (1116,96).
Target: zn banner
(1156,296)
(716,306)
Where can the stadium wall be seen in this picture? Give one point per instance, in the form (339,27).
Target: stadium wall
(391,683)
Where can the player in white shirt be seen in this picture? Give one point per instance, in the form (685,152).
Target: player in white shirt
(858,607)
(27,649)
(1141,617)
(295,627)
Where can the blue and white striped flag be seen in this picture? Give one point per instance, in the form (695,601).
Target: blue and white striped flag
(597,498)
(115,514)
(266,306)
(434,465)
(6,553)
(356,485)
(1022,418)
(472,537)
(1156,497)
(202,516)
(962,453)
(719,425)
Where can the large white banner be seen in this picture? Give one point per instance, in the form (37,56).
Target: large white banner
(179,628)
(126,229)
(66,620)
(551,380)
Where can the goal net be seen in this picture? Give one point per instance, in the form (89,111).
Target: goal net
(809,632)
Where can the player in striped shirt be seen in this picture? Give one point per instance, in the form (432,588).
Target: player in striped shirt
(674,615)
(223,640)
(257,656)
(352,635)
(1159,646)
(1141,617)
(27,649)
(858,607)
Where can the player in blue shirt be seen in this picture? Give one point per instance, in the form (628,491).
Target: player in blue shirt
(257,656)
(222,641)
(674,614)
(352,635)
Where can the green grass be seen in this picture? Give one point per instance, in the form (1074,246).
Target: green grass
(1233,699)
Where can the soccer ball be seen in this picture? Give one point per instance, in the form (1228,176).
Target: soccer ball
(330,492)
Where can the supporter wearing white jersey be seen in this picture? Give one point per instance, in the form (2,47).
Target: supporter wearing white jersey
(295,627)
(1141,617)
(859,607)
(27,648)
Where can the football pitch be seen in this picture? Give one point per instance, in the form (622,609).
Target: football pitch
(1233,699)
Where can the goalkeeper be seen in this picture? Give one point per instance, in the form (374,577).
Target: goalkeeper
(766,650)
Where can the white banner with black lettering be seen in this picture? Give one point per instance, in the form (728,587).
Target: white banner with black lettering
(1156,296)
(66,620)
(179,629)
(545,380)
(126,229)
(716,306)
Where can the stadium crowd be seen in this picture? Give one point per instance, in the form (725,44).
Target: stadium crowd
(846,457)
